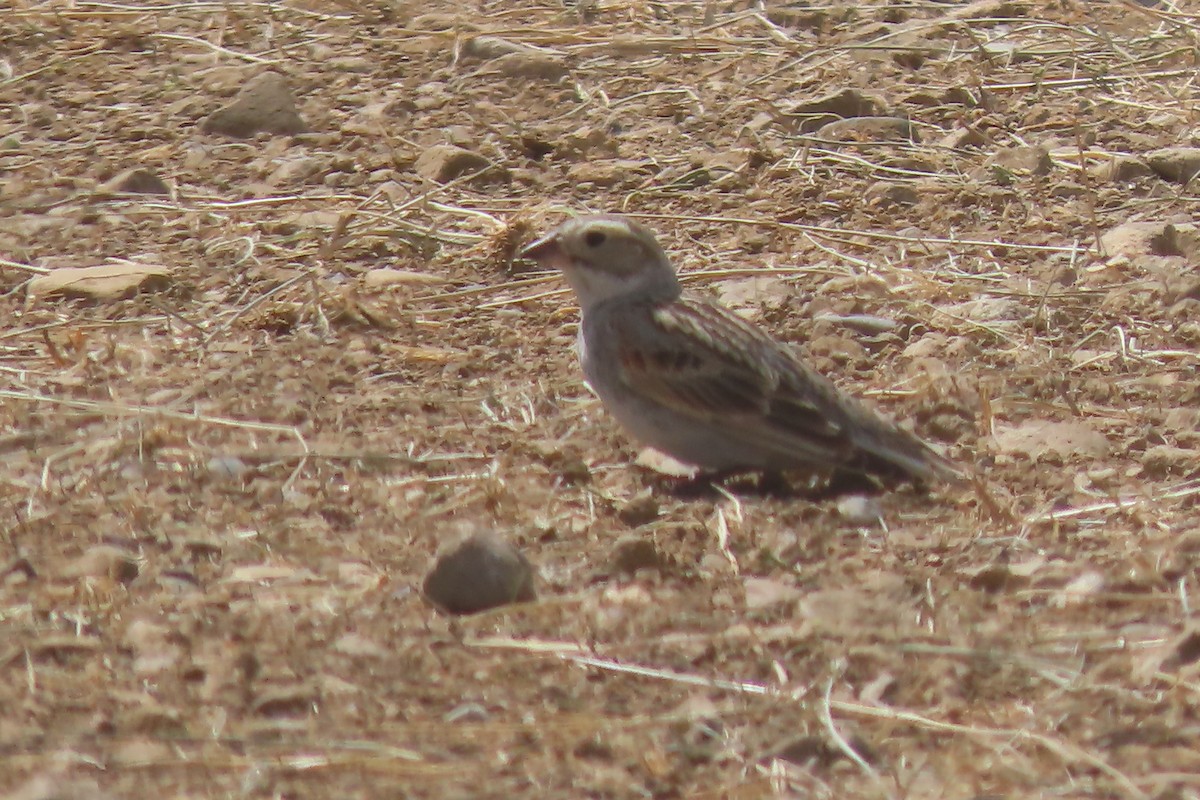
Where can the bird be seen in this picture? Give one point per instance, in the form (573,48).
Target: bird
(690,378)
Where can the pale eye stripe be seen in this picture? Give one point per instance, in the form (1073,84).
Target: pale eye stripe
(608,227)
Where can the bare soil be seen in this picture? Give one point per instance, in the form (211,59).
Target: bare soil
(220,492)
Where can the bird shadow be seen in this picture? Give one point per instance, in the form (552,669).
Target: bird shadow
(778,486)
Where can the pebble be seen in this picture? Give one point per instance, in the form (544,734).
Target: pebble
(633,553)
(264,105)
(860,510)
(479,573)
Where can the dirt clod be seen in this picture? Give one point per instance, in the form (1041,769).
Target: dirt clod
(481,572)
(445,162)
(136,180)
(640,510)
(103,282)
(811,115)
(264,105)
(633,552)
(1175,164)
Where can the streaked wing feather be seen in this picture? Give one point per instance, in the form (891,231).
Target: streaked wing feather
(712,365)
(695,381)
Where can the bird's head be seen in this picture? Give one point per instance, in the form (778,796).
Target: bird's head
(604,257)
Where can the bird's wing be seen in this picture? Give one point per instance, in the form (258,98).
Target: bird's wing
(706,362)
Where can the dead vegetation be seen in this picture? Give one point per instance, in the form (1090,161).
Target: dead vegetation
(308,360)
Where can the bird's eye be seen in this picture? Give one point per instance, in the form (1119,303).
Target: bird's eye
(594,238)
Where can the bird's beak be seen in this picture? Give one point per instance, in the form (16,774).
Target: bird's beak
(546,251)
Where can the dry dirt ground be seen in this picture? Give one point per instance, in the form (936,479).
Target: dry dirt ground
(220,491)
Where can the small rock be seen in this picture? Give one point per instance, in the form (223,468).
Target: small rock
(1079,589)
(1175,164)
(430,96)
(265,104)
(359,64)
(1182,422)
(1157,462)
(1006,52)
(488,47)
(153,719)
(763,593)
(38,116)
(994,578)
(104,561)
(807,751)
(759,122)
(921,97)
(445,162)
(353,644)
(1069,190)
(949,426)
(227,468)
(1022,160)
(988,309)
(754,292)
(633,553)
(788,15)
(530,65)
(142,752)
(843,104)
(1184,650)
(892,194)
(479,573)
(866,324)
(1185,306)
(915,163)
(1035,438)
(1179,239)
(295,700)
(583,142)
(838,349)
(962,138)
(860,510)
(869,129)
(640,510)
(1130,239)
(960,96)
(441,21)
(1188,542)
(1152,238)
(105,282)
(602,174)
(1121,169)
(296,171)
(535,147)
(136,180)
